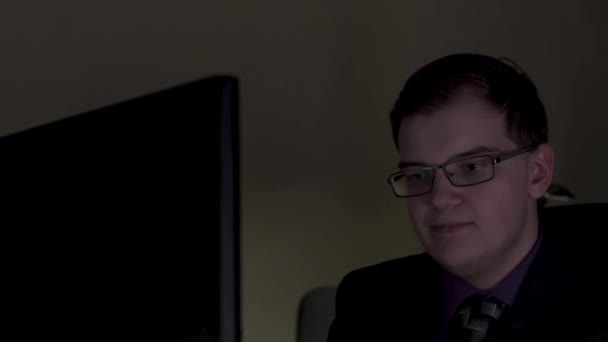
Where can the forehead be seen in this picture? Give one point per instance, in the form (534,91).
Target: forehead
(466,124)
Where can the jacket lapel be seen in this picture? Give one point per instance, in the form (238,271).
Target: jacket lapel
(419,302)
(538,298)
(559,296)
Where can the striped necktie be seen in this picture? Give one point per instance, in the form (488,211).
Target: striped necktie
(475,318)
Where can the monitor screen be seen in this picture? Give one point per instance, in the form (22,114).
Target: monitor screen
(123,222)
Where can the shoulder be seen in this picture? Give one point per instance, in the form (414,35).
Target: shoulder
(576,232)
(375,301)
(403,273)
(582,221)
(394,267)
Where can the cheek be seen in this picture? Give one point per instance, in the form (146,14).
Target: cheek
(416,211)
(511,182)
(497,205)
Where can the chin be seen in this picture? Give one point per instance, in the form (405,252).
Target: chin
(460,262)
(464,271)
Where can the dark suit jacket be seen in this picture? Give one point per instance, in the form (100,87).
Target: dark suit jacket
(563,297)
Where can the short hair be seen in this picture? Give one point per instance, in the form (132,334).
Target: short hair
(500,82)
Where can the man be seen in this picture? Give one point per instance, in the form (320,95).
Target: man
(474,164)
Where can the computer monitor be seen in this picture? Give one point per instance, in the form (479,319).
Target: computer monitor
(122,223)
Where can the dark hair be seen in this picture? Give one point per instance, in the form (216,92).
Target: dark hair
(499,81)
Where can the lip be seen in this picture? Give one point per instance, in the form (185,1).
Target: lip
(449,227)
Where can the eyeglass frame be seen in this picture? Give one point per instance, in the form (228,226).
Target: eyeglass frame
(495,160)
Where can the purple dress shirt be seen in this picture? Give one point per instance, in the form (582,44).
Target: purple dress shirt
(455,290)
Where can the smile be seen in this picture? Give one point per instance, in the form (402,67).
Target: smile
(449,227)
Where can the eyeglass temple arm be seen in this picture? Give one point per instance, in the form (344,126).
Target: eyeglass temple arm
(506,156)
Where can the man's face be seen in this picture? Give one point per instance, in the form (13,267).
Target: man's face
(469,229)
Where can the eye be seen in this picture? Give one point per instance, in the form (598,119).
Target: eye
(474,166)
(416,176)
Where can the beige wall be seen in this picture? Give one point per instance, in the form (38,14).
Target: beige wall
(318,78)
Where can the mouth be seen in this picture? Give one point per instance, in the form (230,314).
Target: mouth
(443,228)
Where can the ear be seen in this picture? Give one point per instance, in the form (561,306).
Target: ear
(540,170)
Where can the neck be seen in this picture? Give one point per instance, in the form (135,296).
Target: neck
(488,276)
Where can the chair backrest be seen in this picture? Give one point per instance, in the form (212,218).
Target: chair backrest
(315,314)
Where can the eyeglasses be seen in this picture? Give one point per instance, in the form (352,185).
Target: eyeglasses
(417,181)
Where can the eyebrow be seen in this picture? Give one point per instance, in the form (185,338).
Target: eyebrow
(468,153)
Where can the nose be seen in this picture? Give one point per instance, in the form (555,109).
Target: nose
(444,194)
